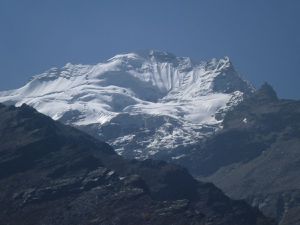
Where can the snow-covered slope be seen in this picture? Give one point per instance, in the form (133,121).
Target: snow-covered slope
(142,103)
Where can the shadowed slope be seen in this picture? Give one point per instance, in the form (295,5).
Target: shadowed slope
(54,174)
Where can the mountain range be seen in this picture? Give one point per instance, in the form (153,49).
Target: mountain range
(201,115)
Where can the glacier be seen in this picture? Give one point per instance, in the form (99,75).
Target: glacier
(144,104)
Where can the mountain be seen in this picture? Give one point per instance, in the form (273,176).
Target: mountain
(53,174)
(144,104)
(256,156)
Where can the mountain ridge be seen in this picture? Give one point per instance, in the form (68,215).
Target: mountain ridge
(256,155)
(53,174)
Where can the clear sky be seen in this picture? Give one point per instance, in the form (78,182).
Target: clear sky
(262,37)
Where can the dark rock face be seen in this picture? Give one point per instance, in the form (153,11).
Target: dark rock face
(229,81)
(266,93)
(256,156)
(52,174)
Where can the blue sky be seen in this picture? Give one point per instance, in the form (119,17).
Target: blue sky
(262,38)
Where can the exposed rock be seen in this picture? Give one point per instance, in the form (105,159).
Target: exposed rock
(52,174)
(256,156)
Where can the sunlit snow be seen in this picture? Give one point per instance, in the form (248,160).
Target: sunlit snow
(155,84)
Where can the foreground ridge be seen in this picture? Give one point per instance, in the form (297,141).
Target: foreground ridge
(53,174)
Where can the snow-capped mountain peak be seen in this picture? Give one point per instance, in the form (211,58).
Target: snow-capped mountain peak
(139,102)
